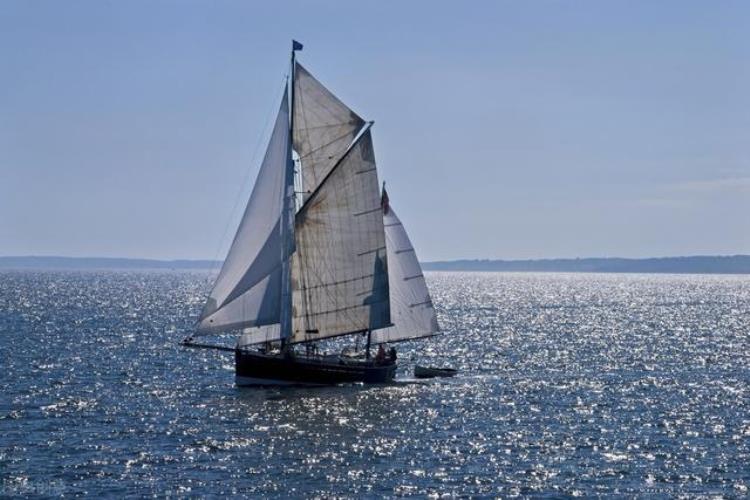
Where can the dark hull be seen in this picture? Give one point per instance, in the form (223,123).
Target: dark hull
(254,368)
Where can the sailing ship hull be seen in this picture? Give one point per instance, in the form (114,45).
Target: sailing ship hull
(253,368)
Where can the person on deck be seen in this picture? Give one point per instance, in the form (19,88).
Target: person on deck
(380,357)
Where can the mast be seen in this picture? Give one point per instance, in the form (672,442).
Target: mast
(287,218)
(295,46)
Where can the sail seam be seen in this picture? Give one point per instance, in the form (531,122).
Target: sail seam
(374,250)
(324,285)
(323,146)
(371,211)
(332,125)
(348,308)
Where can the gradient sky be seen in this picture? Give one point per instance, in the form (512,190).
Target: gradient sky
(504,129)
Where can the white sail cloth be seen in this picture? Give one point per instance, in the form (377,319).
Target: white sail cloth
(259,335)
(247,291)
(412,312)
(324,127)
(340,270)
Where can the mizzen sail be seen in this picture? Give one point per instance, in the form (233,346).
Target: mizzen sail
(248,289)
(412,312)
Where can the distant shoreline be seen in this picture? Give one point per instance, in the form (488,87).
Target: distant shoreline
(702,264)
(73,263)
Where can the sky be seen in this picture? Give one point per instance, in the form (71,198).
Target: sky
(525,129)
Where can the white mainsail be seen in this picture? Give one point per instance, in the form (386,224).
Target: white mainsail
(340,270)
(324,127)
(412,312)
(247,291)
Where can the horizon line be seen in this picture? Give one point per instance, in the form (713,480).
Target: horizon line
(456,259)
(695,264)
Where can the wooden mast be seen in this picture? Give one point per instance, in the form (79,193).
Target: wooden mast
(286,286)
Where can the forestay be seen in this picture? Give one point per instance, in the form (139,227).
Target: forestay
(340,270)
(324,127)
(248,290)
(412,312)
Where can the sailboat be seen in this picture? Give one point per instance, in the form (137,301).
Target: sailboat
(319,253)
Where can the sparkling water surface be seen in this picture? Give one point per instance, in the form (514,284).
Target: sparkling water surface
(570,384)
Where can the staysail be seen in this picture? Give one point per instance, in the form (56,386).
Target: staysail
(412,312)
(248,289)
(324,127)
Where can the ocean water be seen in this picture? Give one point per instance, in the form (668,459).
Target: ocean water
(569,385)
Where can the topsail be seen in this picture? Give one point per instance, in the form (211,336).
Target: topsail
(324,127)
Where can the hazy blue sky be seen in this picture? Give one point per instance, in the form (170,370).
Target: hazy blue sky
(504,129)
